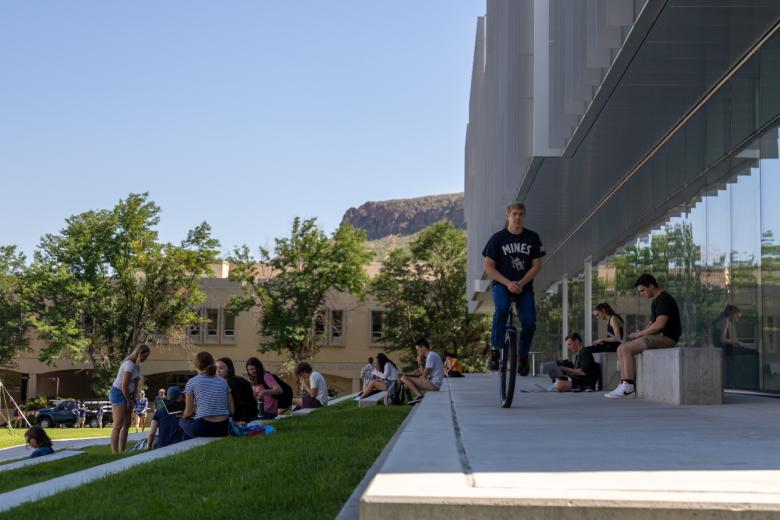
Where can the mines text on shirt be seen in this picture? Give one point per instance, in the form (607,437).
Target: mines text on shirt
(514,254)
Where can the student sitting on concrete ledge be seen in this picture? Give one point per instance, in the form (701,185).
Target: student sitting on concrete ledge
(610,343)
(663,332)
(39,441)
(583,374)
(386,374)
(314,386)
(166,420)
(428,377)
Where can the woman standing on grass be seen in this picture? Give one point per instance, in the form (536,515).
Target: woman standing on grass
(208,403)
(39,441)
(122,396)
(240,389)
(265,387)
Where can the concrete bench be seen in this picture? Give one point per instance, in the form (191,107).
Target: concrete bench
(372,400)
(57,455)
(681,375)
(610,371)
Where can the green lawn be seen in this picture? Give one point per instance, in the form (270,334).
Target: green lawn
(21,477)
(16,437)
(307,470)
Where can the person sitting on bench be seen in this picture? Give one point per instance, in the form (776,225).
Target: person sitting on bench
(584,374)
(615,329)
(663,332)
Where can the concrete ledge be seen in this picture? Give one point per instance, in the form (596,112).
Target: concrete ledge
(45,489)
(58,455)
(681,375)
(372,400)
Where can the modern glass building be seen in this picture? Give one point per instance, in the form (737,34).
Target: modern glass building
(642,137)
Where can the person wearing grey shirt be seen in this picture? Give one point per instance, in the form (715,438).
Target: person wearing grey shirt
(429,377)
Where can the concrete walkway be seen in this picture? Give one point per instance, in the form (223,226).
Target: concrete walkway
(578,456)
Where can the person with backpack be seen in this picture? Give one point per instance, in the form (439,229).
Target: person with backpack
(245,405)
(383,377)
(265,387)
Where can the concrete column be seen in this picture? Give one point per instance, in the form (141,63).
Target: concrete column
(564,314)
(32,386)
(587,328)
(356,385)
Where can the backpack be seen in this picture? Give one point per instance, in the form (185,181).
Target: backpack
(396,393)
(285,399)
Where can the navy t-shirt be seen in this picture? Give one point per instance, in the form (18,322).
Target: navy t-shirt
(168,430)
(513,254)
(664,305)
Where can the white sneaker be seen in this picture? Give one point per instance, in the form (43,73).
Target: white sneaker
(622,391)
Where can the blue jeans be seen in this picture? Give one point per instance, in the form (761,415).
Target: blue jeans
(526,311)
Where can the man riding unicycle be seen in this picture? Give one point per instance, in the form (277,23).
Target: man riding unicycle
(512,259)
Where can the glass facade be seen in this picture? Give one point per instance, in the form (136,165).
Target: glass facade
(713,233)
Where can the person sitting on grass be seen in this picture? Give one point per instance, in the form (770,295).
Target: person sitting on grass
(387,373)
(166,420)
(452,365)
(313,385)
(208,403)
(428,377)
(265,389)
(240,389)
(39,441)
(582,376)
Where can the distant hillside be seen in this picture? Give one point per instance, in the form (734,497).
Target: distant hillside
(404,217)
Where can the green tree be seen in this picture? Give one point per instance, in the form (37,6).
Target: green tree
(13,318)
(106,283)
(289,287)
(423,292)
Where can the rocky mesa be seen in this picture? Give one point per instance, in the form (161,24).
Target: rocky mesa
(406,216)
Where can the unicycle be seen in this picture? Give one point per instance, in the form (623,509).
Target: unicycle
(508,362)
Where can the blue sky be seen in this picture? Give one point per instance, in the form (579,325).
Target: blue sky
(244,114)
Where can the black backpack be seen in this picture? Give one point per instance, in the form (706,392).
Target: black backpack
(396,393)
(284,400)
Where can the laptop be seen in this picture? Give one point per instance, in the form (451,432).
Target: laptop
(552,369)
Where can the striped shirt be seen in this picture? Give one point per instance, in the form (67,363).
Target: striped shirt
(210,394)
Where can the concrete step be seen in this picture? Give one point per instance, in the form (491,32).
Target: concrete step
(372,400)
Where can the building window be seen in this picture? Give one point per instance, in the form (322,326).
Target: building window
(336,327)
(377,326)
(229,328)
(212,325)
(320,329)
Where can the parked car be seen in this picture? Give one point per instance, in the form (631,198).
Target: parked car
(62,413)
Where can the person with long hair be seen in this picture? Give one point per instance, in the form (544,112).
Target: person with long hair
(37,438)
(208,404)
(386,373)
(122,395)
(264,387)
(609,343)
(240,389)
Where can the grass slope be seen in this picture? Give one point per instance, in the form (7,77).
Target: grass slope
(307,470)
(16,437)
(18,478)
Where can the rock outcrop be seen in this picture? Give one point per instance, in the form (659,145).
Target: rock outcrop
(406,216)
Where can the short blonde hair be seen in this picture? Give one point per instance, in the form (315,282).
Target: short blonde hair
(515,205)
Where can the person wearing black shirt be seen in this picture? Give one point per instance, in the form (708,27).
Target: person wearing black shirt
(513,256)
(584,374)
(663,332)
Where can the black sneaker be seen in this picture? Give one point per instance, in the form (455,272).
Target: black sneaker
(494,356)
(525,367)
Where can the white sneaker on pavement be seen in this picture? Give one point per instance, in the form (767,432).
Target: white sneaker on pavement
(622,391)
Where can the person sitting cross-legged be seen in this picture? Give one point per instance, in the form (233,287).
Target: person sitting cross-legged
(165,428)
(429,377)
(584,373)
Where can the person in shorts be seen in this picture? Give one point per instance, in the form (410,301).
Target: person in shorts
(663,331)
(429,376)
(313,385)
